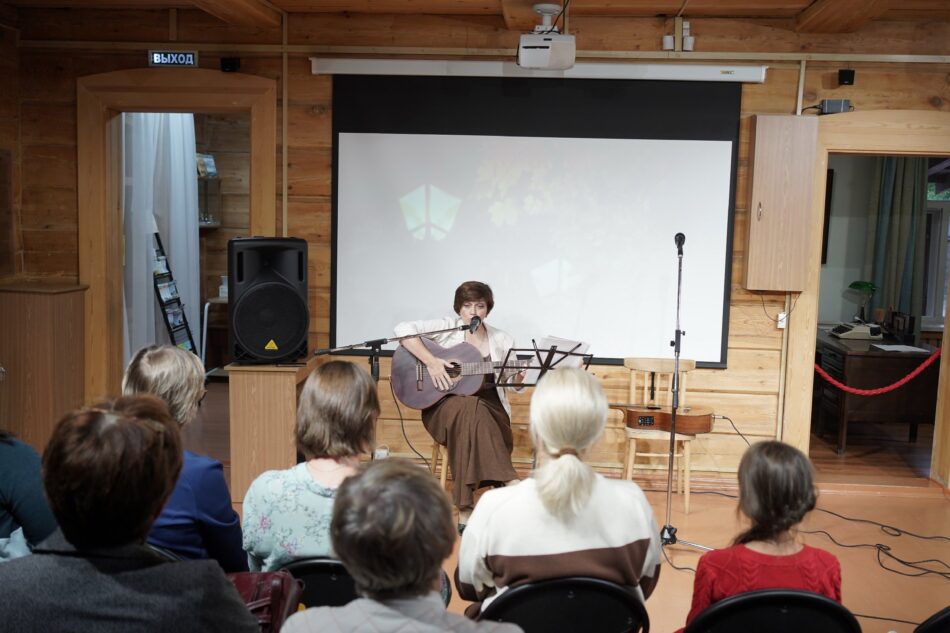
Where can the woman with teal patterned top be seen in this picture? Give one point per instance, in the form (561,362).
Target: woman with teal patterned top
(287,512)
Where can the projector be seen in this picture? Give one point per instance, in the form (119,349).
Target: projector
(546,51)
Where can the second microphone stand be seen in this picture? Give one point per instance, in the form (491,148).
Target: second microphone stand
(668,532)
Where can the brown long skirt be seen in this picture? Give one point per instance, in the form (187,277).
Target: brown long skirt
(477,432)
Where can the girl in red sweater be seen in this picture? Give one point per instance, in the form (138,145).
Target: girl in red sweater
(776,491)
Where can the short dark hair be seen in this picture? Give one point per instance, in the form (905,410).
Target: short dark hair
(473,291)
(337,413)
(776,489)
(109,469)
(392,528)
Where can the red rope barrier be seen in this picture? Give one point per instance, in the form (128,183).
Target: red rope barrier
(875,392)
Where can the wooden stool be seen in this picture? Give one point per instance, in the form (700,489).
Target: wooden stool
(651,383)
(440,451)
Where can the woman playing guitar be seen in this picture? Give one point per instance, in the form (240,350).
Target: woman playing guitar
(476,429)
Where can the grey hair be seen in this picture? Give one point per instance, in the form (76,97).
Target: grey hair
(568,414)
(171,373)
(392,527)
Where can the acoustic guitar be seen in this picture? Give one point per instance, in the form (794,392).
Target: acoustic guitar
(413,385)
(689,420)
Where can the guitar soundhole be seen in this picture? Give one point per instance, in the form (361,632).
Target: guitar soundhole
(454,371)
(645,420)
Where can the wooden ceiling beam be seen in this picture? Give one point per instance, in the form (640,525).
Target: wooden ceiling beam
(839,16)
(437,7)
(519,14)
(255,13)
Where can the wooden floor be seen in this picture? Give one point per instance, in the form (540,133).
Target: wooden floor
(881,478)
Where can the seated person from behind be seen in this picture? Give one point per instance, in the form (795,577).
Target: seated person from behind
(25,518)
(107,472)
(776,491)
(566,520)
(287,512)
(392,529)
(198,521)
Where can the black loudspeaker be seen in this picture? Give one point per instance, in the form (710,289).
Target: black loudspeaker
(267,299)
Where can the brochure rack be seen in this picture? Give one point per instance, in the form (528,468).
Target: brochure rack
(166,294)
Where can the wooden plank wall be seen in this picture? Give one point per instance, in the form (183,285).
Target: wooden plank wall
(227,137)
(10,261)
(748,391)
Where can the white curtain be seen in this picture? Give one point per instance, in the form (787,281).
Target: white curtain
(161,194)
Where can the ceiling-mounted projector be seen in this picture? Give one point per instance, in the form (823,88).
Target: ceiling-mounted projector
(545,48)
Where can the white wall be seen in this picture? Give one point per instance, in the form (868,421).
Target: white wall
(850,201)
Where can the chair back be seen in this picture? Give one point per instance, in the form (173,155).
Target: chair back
(326,581)
(570,604)
(937,623)
(651,380)
(775,610)
(165,552)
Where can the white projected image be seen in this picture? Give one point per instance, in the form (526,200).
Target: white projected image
(575,236)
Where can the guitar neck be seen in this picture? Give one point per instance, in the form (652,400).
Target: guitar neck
(482,367)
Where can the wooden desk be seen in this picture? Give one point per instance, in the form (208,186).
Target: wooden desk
(263,403)
(857,364)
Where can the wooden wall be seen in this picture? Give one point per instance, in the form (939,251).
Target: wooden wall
(748,392)
(227,137)
(9,152)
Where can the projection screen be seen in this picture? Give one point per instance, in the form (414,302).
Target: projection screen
(572,225)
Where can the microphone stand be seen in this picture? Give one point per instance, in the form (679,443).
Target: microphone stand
(668,532)
(376,346)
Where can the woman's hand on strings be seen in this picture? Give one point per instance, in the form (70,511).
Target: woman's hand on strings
(439,375)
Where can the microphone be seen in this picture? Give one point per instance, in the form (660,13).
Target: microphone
(473,324)
(680,239)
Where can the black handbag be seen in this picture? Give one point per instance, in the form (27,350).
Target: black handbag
(270,596)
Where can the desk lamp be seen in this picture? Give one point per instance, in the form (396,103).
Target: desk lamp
(865,291)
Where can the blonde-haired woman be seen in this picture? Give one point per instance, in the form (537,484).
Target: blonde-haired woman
(566,520)
(287,512)
(198,521)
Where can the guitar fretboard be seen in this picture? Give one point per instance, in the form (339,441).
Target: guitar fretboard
(474,369)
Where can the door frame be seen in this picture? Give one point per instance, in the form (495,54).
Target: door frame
(905,132)
(100,100)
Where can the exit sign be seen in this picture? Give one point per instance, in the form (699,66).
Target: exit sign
(177,59)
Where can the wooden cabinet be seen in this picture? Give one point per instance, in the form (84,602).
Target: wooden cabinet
(41,350)
(782,173)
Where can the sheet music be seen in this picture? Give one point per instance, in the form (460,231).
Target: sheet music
(898,348)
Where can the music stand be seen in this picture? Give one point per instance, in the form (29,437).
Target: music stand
(548,358)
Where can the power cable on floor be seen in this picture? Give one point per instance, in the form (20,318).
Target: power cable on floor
(402,425)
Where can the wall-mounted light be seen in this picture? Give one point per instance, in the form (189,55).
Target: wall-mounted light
(592,70)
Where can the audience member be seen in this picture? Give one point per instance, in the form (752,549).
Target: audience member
(287,512)
(392,528)
(776,491)
(198,521)
(107,471)
(566,520)
(25,519)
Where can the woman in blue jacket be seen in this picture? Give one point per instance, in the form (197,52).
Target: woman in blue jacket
(198,521)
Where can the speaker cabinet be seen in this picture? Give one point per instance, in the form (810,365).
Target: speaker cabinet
(267,299)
